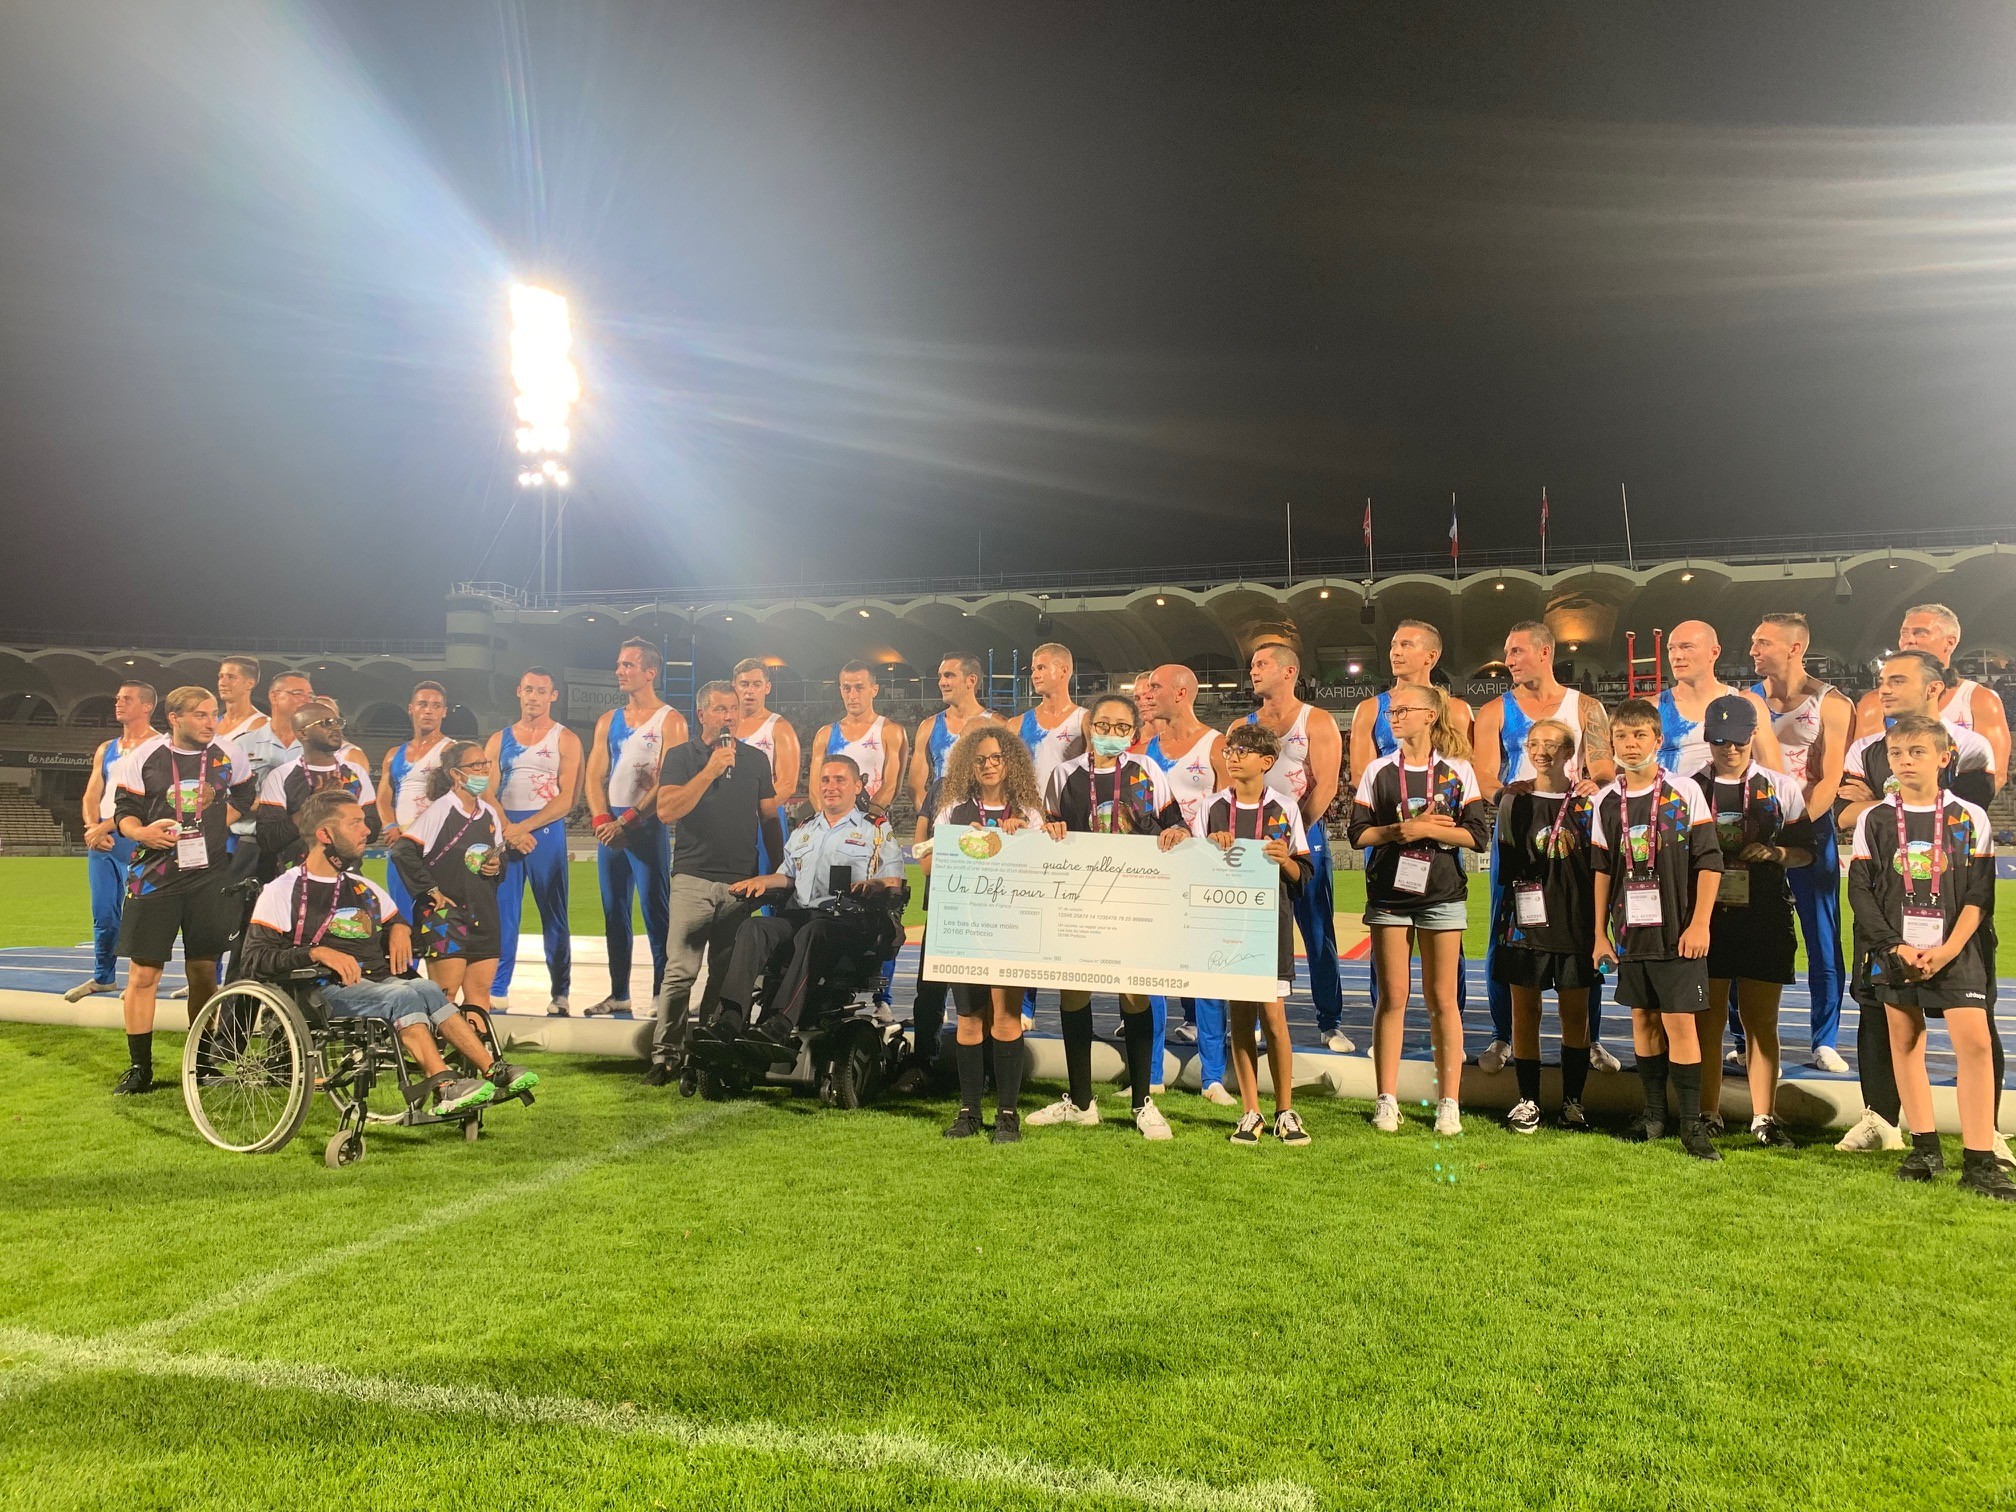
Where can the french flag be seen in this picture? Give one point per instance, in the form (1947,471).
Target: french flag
(1454,550)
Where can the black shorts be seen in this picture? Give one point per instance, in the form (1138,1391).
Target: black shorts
(1752,944)
(202,915)
(1543,970)
(463,933)
(1677,985)
(1934,1001)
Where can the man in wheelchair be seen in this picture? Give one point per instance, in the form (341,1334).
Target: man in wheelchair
(841,856)
(325,914)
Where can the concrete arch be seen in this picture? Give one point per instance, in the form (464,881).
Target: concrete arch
(91,712)
(28,709)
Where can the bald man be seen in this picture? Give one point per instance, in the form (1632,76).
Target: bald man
(1691,649)
(1935,629)
(1192,757)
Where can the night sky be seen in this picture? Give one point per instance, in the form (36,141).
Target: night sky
(858,283)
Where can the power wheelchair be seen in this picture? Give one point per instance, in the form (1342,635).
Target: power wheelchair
(847,1047)
(259,1051)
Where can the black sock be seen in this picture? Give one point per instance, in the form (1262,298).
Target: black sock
(1928,1144)
(140,1051)
(1008,1073)
(1078,1054)
(1140,1032)
(1652,1076)
(972,1062)
(1687,1087)
(1528,1072)
(1977,1160)
(1574,1072)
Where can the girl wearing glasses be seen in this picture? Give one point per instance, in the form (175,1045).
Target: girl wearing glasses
(989,783)
(1418,808)
(1110,791)
(450,860)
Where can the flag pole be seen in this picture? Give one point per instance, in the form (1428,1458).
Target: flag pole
(1630,555)
(1455,543)
(1289,509)
(1368,537)
(1543,530)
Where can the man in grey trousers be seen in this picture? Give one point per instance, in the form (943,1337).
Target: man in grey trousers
(717,791)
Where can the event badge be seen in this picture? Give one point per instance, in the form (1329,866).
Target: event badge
(1529,905)
(1924,928)
(1641,905)
(1733,891)
(191,850)
(1411,875)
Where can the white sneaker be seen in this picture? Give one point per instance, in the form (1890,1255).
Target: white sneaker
(1827,1058)
(1872,1131)
(180,994)
(1064,1111)
(1733,1063)
(1448,1117)
(2000,1146)
(83,990)
(1184,1034)
(1601,1059)
(607,1005)
(1149,1120)
(1386,1114)
(1337,1042)
(1216,1093)
(1496,1057)
(499,1003)
(1523,1119)
(558,1008)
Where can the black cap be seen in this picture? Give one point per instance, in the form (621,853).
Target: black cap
(1730,720)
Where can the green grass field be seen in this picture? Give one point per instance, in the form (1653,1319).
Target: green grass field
(618,1299)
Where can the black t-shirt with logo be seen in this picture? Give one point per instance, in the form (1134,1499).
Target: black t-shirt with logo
(1760,807)
(1878,892)
(156,781)
(1390,792)
(1543,841)
(298,911)
(292,784)
(1687,846)
(1269,819)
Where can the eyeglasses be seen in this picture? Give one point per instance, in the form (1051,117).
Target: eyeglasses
(475,766)
(328,719)
(1104,727)
(990,758)
(1393,710)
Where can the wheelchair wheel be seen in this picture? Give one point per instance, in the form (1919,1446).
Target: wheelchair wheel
(857,1066)
(248,1069)
(716,1086)
(345,1147)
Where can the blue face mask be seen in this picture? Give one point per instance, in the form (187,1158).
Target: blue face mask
(1109,745)
(478,784)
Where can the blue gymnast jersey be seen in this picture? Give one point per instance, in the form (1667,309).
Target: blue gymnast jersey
(1515,724)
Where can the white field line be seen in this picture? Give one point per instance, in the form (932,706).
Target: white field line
(867,1451)
(252,1288)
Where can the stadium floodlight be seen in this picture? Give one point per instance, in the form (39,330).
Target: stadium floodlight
(548,385)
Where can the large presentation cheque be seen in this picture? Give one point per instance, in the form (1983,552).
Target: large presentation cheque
(1105,913)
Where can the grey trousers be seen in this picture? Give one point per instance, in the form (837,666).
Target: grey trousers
(704,918)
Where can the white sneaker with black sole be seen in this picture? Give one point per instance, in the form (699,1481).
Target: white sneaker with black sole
(1065,1111)
(1523,1119)
(1601,1059)
(1496,1057)
(1288,1128)
(557,1008)
(1872,1131)
(1448,1117)
(1149,1120)
(1386,1114)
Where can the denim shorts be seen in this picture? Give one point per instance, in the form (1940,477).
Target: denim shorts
(400,1001)
(1434,916)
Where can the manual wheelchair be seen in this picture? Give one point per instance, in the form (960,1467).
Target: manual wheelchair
(259,1051)
(848,1047)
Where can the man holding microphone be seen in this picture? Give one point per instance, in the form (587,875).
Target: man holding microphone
(717,790)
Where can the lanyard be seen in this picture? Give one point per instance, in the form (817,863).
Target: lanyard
(442,847)
(1554,829)
(1742,786)
(175,784)
(1937,862)
(1113,817)
(1651,829)
(991,818)
(301,911)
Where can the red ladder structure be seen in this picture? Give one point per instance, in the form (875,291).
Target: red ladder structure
(1655,680)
